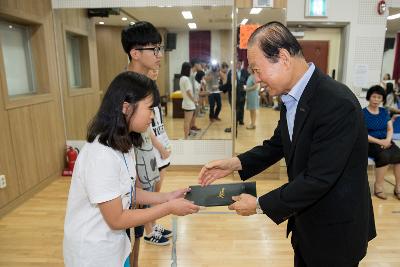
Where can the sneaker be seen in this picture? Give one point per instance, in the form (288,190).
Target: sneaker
(194,128)
(165,232)
(156,238)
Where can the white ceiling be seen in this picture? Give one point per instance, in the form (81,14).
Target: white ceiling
(393,26)
(211,17)
(206,18)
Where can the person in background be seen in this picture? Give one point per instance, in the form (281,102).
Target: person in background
(214,96)
(392,100)
(196,66)
(380,145)
(103,182)
(252,98)
(241,80)
(188,101)
(200,86)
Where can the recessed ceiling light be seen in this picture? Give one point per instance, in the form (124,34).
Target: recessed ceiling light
(244,21)
(132,23)
(124,18)
(192,25)
(187,14)
(101,22)
(255,10)
(10,26)
(395,16)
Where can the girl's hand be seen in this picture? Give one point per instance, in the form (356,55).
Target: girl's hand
(182,207)
(180,193)
(165,154)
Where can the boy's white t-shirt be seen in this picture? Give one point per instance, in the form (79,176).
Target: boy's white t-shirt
(159,131)
(100,175)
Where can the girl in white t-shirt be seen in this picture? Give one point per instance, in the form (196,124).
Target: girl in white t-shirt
(103,183)
(188,101)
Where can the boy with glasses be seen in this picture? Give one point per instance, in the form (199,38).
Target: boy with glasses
(142,43)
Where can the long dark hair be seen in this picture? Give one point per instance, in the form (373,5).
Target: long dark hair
(390,91)
(185,69)
(110,124)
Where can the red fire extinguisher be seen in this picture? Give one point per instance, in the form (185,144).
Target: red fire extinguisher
(71,154)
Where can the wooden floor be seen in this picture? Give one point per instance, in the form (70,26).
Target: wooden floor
(32,234)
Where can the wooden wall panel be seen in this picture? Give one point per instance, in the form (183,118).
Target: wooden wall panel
(112,59)
(7,161)
(32,134)
(24,148)
(46,139)
(78,107)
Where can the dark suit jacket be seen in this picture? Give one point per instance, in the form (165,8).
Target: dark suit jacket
(327,199)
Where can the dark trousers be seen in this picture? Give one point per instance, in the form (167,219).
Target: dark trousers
(212,100)
(240,109)
(298,256)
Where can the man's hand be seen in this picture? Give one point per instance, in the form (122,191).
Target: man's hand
(217,169)
(244,205)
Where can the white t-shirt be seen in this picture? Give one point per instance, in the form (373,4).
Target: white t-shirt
(159,131)
(100,175)
(185,85)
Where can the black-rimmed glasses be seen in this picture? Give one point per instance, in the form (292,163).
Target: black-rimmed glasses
(156,50)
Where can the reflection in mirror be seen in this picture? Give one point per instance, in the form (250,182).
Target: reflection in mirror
(255,111)
(209,44)
(391,65)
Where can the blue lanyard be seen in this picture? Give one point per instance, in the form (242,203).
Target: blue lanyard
(132,187)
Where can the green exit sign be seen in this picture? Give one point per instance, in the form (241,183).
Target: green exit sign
(315,8)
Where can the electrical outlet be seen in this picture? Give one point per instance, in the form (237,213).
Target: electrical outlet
(3,183)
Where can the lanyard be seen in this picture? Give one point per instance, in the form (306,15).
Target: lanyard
(132,187)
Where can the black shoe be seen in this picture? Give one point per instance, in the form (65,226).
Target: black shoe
(156,238)
(241,123)
(228,130)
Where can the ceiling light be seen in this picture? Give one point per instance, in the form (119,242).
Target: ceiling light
(187,14)
(169,6)
(132,23)
(124,18)
(101,22)
(255,10)
(192,25)
(395,16)
(244,21)
(10,26)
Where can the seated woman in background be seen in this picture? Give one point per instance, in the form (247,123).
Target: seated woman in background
(391,102)
(381,147)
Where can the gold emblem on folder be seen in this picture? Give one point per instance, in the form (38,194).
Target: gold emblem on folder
(222,193)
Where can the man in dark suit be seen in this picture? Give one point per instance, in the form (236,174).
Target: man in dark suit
(241,79)
(322,136)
